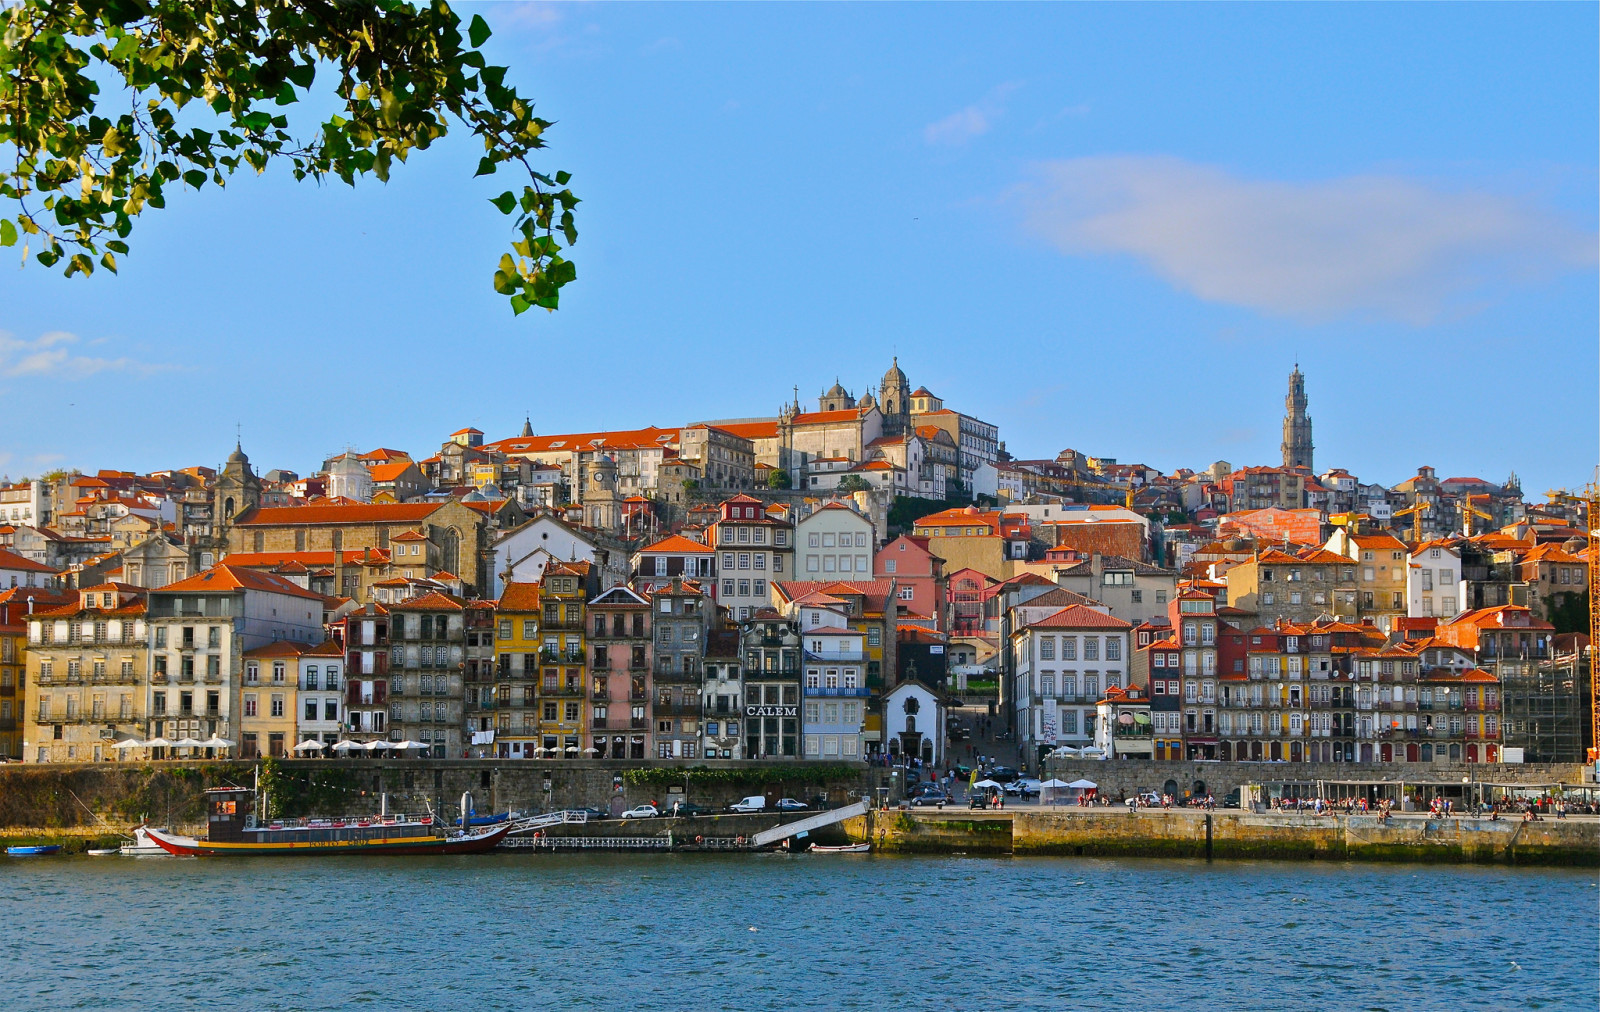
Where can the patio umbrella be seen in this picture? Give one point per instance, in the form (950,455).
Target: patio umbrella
(130,743)
(158,742)
(409,744)
(216,742)
(188,743)
(591,751)
(572,749)
(374,746)
(309,745)
(346,745)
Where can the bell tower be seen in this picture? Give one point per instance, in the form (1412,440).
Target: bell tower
(1296,423)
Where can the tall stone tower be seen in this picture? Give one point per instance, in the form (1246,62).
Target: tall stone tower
(894,400)
(1296,423)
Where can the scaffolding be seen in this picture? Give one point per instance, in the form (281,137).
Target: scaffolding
(1545,708)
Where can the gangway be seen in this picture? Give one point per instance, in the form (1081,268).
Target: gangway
(783,832)
(536,822)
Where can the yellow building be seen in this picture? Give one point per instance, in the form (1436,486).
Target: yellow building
(563,696)
(86,676)
(1380,567)
(269,711)
(16,603)
(516,670)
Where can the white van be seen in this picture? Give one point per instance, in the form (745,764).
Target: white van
(754,803)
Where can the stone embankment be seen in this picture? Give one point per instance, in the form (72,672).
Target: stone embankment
(1117,832)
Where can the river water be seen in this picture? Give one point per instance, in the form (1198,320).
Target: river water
(518,931)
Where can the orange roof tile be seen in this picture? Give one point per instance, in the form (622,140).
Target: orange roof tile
(226,576)
(678,543)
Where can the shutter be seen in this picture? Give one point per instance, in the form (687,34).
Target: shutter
(352,692)
(380,691)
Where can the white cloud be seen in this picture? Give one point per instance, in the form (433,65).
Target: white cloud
(51,356)
(964,124)
(1366,245)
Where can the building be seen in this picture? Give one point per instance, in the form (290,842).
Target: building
(1382,565)
(427,658)
(1557,581)
(201,629)
(86,676)
(366,666)
(679,619)
(722,693)
(1435,584)
(725,460)
(510,724)
(834,541)
(1297,448)
(521,555)
(17,604)
(913,723)
(18,571)
(674,557)
(1063,663)
(921,590)
(451,536)
(268,710)
(1276,586)
(564,697)
(835,690)
(1133,591)
(1194,622)
(988,541)
(320,691)
(752,548)
(1122,726)
(770,647)
(620,694)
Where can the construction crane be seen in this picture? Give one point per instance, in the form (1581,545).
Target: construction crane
(1415,513)
(1590,497)
(1468,511)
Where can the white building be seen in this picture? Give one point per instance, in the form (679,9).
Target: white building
(1434,584)
(16,571)
(23,503)
(913,722)
(753,548)
(348,478)
(321,693)
(521,554)
(1063,663)
(835,690)
(834,541)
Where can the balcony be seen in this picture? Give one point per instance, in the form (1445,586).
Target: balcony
(554,691)
(684,709)
(638,723)
(838,690)
(549,656)
(601,695)
(568,624)
(675,676)
(837,657)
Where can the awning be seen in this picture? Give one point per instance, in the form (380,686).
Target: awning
(1083,785)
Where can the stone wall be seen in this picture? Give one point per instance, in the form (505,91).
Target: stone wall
(1119,778)
(1240,835)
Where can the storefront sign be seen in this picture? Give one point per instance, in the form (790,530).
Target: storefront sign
(772,711)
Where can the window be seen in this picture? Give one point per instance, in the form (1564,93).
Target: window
(1047,648)
(908,593)
(1113,648)
(249,704)
(1069,648)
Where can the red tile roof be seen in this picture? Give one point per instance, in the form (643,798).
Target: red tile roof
(225,576)
(678,543)
(1078,616)
(360,513)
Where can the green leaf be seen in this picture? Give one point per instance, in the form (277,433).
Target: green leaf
(8,233)
(485,166)
(478,31)
(506,202)
(519,305)
(195,178)
(109,262)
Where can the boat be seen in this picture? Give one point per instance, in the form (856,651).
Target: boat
(34,851)
(486,820)
(849,848)
(143,846)
(104,851)
(234,830)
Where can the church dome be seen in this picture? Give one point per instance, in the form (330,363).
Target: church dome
(237,456)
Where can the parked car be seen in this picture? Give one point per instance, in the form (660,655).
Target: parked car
(641,812)
(790,805)
(1149,798)
(962,770)
(930,798)
(1231,799)
(1001,774)
(594,813)
(754,803)
(1023,787)
(686,810)
(925,787)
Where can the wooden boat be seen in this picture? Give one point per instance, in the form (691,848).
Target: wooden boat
(232,829)
(143,846)
(104,851)
(34,851)
(849,848)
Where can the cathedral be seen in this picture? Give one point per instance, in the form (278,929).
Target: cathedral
(893,402)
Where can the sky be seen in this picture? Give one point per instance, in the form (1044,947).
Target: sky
(1112,227)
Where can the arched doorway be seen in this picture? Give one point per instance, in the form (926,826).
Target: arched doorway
(1491,753)
(1227,751)
(1198,788)
(1472,753)
(1255,750)
(1412,754)
(1366,753)
(1427,752)
(1170,787)
(1386,752)
(1295,751)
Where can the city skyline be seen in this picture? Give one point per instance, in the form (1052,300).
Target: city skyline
(1023,163)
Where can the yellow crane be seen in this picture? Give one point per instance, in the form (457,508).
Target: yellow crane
(1415,513)
(1590,497)
(1468,511)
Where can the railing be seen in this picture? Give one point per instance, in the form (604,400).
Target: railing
(638,723)
(677,709)
(840,657)
(573,624)
(549,656)
(834,690)
(561,690)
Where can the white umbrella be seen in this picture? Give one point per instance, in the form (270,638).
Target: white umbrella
(215,742)
(309,745)
(188,743)
(591,751)
(572,749)
(1083,785)
(130,743)
(374,746)
(158,742)
(347,745)
(410,744)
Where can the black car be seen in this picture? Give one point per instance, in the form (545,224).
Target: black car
(1231,799)
(685,810)
(1001,774)
(594,813)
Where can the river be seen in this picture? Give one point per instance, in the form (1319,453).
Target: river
(517,931)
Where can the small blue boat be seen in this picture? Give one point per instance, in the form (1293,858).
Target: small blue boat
(486,820)
(51,848)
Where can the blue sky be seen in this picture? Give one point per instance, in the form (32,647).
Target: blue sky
(1109,227)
